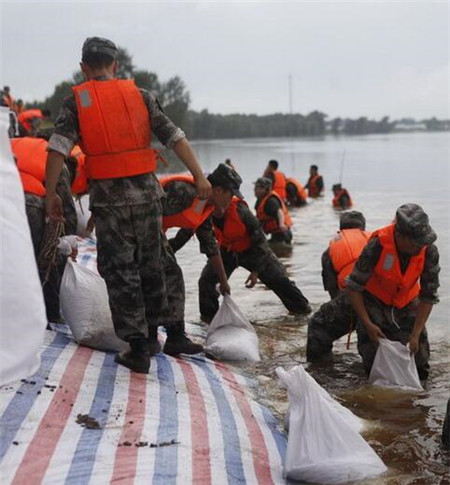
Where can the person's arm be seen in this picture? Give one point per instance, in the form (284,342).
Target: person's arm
(329,275)
(174,138)
(217,264)
(280,217)
(356,282)
(209,247)
(423,312)
(53,203)
(180,239)
(429,284)
(357,301)
(186,154)
(60,145)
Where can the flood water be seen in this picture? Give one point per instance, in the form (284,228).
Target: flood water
(381,172)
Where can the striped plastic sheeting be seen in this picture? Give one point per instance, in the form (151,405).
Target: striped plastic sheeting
(190,420)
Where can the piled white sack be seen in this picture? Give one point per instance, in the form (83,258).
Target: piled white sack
(324,445)
(231,336)
(85,307)
(22,309)
(394,366)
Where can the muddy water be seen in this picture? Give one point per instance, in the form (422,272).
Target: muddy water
(381,172)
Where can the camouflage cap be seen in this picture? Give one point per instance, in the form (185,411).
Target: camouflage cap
(352,220)
(226,177)
(264,182)
(412,222)
(99,45)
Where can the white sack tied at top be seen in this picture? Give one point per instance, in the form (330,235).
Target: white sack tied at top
(85,307)
(324,445)
(394,367)
(22,309)
(231,336)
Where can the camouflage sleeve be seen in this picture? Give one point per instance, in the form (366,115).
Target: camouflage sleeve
(272,207)
(253,226)
(365,265)
(162,126)
(66,133)
(180,239)
(429,281)
(63,189)
(329,275)
(206,238)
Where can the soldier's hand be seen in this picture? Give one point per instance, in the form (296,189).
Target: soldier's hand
(204,188)
(54,207)
(413,344)
(224,288)
(375,332)
(283,227)
(251,280)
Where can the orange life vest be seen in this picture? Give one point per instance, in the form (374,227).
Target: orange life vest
(79,185)
(344,251)
(387,282)
(270,224)
(337,197)
(313,189)
(115,129)
(31,156)
(301,191)
(194,215)
(279,184)
(26,117)
(234,237)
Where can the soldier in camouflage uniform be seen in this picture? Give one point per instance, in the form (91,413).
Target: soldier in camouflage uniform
(259,259)
(35,211)
(376,319)
(335,318)
(127,215)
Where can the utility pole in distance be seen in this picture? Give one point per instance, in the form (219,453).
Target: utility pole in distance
(290,94)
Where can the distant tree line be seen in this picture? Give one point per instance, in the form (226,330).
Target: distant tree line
(175,99)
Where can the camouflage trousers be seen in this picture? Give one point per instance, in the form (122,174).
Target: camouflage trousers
(270,271)
(332,321)
(144,282)
(396,325)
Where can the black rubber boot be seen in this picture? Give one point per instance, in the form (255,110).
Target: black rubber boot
(178,343)
(304,311)
(153,343)
(137,358)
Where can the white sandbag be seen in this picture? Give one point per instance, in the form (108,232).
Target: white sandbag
(323,445)
(22,309)
(231,336)
(85,307)
(394,366)
(351,419)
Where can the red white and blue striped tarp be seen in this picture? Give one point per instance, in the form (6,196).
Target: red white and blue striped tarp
(190,420)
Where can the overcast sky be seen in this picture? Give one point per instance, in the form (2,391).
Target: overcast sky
(345,58)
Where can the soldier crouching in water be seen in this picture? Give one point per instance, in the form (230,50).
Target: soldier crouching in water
(394,284)
(113,120)
(336,318)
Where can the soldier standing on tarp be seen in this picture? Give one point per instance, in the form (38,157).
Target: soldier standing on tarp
(113,121)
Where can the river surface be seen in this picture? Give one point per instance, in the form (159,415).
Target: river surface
(381,172)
